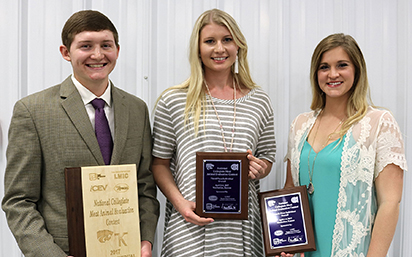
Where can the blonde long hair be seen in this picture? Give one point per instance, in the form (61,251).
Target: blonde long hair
(196,97)
(359,98)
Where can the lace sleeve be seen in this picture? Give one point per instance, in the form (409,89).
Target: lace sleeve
(389,145)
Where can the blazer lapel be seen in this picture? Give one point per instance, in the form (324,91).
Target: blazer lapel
(74,107)
(121,124)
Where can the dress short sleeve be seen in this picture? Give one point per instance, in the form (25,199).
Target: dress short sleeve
(164,138)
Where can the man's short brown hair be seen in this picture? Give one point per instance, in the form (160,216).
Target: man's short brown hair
(87,20)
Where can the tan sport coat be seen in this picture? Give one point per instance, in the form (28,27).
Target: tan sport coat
(50,131)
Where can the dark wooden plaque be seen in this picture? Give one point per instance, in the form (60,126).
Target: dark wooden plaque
(286,221)
(74,205)
(222,185)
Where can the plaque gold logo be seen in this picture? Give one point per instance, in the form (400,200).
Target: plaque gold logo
(98,188)
(106,235)
(96,176)
(121,188)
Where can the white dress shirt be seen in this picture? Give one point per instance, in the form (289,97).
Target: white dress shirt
(87,96)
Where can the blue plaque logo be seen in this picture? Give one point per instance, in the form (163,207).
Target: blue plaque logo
(209,166)
(278,241)
(295,239)
(213,198)
(271,203)
(235,166)
(278,232)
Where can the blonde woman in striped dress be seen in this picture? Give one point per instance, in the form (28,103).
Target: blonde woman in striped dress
(217,109)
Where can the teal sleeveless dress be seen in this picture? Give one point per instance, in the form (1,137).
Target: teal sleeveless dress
(323,201)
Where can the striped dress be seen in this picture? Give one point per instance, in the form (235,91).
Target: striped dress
(172,140)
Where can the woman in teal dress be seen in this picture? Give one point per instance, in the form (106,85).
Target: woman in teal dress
(349,154)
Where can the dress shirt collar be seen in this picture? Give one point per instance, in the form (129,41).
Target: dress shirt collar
(87,96)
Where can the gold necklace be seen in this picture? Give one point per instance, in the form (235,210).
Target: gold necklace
(311,188)
(218,119)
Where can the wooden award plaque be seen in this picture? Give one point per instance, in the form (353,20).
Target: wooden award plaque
(103,211)
(222,185)
(286,221)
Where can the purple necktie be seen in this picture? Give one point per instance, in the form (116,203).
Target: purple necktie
(102,129)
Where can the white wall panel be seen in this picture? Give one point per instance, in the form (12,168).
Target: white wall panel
(10,91)
(404,75)
(154,39)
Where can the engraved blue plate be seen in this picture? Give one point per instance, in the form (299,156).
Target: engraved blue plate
(286,223)
(222,186)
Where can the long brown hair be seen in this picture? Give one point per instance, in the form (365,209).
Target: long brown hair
(359,98)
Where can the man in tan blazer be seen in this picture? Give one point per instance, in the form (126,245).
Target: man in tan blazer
(54,129)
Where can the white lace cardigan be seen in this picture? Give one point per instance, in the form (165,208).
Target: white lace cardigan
(369,146)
